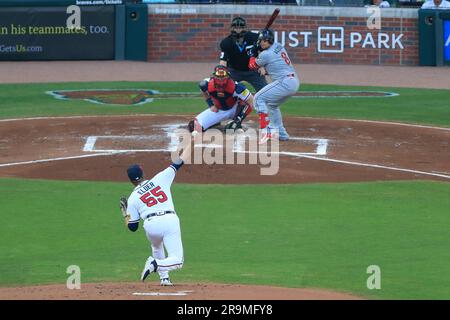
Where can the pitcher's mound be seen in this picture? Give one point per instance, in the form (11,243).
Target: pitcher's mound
(183,291)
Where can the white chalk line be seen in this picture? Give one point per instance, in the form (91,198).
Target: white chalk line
(59,159)
(376,122)
(321,149)
(131,150)
(88,117)
(178,293)
(90,143)
(446,176)
(187,115)
(386,94)
(322,145)
(299,155)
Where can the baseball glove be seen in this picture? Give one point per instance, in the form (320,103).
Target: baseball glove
(123,205)
(233,125)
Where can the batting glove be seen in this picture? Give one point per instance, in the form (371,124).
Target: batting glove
(252,65)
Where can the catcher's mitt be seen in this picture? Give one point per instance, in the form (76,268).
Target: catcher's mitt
(233,125)
(123,205)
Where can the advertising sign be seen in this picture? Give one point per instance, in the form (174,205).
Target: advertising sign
(57,33)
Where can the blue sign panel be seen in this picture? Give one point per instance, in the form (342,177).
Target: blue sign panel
(447,40)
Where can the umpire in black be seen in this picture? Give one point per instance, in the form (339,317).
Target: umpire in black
(236,50)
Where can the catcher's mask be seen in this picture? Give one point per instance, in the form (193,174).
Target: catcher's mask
(220,77)
(238,23)
(135,172)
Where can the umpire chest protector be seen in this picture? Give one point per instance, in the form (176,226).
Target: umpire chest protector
(223,100)
(236,54)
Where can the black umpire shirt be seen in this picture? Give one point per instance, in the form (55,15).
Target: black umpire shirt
(235,54)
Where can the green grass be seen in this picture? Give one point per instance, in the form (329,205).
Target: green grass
(315,235)
(424,106)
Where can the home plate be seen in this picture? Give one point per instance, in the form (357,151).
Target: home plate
(178,293)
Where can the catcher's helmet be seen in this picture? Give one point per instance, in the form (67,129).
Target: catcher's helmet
(266,34)
(220,76)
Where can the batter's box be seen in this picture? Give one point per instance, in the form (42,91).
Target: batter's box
(295,146)
(150,143)
(167,143)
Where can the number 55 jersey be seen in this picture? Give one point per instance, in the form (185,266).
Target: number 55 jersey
(152,197)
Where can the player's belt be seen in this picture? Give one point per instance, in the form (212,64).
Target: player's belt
(159,213)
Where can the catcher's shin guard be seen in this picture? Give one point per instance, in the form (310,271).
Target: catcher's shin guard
(191,125)
(243,111)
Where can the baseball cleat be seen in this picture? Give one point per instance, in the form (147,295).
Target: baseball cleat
(267,134)
(284,136)
(150,266)
(145,274)
(166,282)
(265,137)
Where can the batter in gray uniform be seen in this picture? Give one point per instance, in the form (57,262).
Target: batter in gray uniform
(274,61)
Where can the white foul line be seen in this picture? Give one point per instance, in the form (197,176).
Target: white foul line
(86,117)
(58,159)
(368,165)
(377,122)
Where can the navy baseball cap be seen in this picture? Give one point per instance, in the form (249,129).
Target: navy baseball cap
(135,172)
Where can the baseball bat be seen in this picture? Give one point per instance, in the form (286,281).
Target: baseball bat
(272,18)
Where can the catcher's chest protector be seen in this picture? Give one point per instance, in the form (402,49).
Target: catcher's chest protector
(223,100)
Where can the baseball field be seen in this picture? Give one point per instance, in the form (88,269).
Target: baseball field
(364,182)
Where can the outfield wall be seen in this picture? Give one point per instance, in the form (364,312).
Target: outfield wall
(335,35)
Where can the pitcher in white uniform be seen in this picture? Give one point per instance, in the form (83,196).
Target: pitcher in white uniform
(151,201)
(274,61)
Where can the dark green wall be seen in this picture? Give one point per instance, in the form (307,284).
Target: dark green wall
(136,32)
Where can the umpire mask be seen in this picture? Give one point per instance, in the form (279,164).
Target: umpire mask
(238,23)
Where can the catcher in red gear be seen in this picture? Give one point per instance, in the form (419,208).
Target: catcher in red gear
(226,100)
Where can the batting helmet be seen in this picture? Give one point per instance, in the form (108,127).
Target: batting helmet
(266,34)
(220,77)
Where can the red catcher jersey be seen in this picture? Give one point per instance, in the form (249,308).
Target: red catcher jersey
(227,99)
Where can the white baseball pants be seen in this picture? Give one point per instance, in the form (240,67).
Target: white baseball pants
(208,118)
(164,232)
